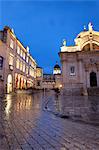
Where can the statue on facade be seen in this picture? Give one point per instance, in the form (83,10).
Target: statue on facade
(64,42)
(90,26)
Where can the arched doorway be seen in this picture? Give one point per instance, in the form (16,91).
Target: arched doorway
(9,83)
(93,79)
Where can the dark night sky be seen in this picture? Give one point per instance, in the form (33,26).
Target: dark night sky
(42,25)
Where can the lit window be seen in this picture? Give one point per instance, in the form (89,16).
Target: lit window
(24,55)
(27,70)
(31,72)
(11,43)
(23,67)
(1,62)
(32,64)
(11,60)
(38,72)
(72,70)
(18,49)
(21,54)
(27,59)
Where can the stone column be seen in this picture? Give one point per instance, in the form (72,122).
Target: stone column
(88,79)
(85,80)
(80,71)
(64,64)
(87,66)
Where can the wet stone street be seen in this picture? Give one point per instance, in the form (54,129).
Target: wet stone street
(26,125)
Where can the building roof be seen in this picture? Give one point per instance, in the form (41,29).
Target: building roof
(82,39)
(56,66)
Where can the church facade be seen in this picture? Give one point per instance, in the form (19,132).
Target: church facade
(80,63)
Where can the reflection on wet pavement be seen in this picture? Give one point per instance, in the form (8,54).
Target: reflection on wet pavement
(25,126)
(85,108)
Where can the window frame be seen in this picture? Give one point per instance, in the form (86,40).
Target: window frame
(11,43)
(72,71)
(1,62)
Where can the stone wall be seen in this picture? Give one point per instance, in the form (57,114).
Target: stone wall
(1,88)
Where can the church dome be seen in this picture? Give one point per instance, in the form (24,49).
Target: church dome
(86,37)
(57,69)
(56,66)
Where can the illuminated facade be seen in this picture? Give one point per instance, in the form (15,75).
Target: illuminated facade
(80,63)
(17,67)
(52,81)
(48,81)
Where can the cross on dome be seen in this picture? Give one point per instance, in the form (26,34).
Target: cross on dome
(85,28)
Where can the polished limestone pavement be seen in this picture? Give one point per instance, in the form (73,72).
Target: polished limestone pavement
(25,124)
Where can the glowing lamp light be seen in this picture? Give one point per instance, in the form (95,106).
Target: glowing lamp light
(60,85)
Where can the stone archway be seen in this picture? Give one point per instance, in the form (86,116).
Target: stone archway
(93,79)
(9,83)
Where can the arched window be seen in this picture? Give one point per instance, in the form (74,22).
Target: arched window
(95,47)
(86,47)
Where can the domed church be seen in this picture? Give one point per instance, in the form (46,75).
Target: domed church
(57,69)
(80,63)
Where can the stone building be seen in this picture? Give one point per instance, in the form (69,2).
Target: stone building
(52,81)
(57,74)
(48,81)
(57,69)
(80,63)
(17,67)
(39,77)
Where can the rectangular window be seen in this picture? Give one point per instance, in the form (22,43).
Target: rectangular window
(18,49)
(11,43)
(11,59)
(72,70)
(21,54)
(32,64)
(24,55)
(27,59)
(1,62)
(27,70)
(23,67)
(31,72)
